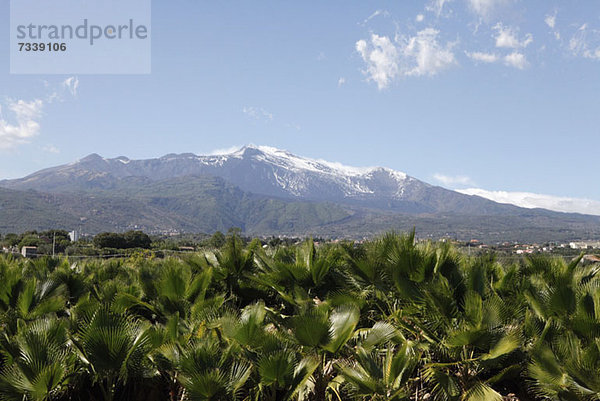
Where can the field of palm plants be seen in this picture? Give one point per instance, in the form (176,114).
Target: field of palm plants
(385,320)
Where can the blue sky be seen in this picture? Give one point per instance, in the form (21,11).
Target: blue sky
(488,94)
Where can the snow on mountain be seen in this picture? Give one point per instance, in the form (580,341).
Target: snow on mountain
(267,171)
(298,175)
(273,171)
(259,169)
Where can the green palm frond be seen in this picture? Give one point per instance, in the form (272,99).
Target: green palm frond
(343,321)
(42,363)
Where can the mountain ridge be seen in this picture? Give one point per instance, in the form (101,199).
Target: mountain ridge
(269,190)
(267,171)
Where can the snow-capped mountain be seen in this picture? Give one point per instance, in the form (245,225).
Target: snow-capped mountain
(263,190)
(266,171)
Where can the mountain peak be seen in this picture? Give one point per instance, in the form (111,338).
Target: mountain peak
(264,170)
(247,150)
(92,157)
(289,160)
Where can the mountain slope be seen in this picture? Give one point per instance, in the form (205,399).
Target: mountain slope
(265,191)
(192,204)
(271,172)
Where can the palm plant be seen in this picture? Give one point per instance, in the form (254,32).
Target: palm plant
(299,278)
(285,375)
(39,363)
(323,333)
(169,289)
(379,372)
(210,372)
(280,370)
(233,265)
(564,324)
(449,302)
(112,349)
(391,319)
(26,298)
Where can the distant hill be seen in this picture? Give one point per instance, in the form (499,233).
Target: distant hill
(264,191)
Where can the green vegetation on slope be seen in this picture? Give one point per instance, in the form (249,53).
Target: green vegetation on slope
(189,204)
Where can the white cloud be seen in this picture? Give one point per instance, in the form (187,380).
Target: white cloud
(578,44)
(517,60)
(20,119)
(452,181)
(224,151)
(376,13)
(419,18)
(71,84)
(257,113)
(341,81)
(60,91)
(482,57)
(585,42)
(507,37)
(436,6)
(381,57)
(429,55)
(25,123)
(51,149)
(486,8)
(417,55)
(531,200)
(550,20)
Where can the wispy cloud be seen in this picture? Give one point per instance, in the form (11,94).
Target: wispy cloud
(341,81)
(71,84)
(483,57)
(418,55)
(550,20)
(381,57)
(22,122)
(60,91)
(20,119)
(453,180)
(436,7)
(532,200)
(516,60)
(486,9)
(224,151)
(507,37)
(51,149)
(376,13)
(257,113)
(585,42)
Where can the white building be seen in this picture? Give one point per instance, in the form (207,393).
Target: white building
(29,251)
(584,244)
(74,236)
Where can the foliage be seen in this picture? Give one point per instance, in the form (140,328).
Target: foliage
(130,239)
(390,319)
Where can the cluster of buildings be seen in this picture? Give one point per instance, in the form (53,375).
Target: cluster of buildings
(26,251)
(524,249)
(32,251)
